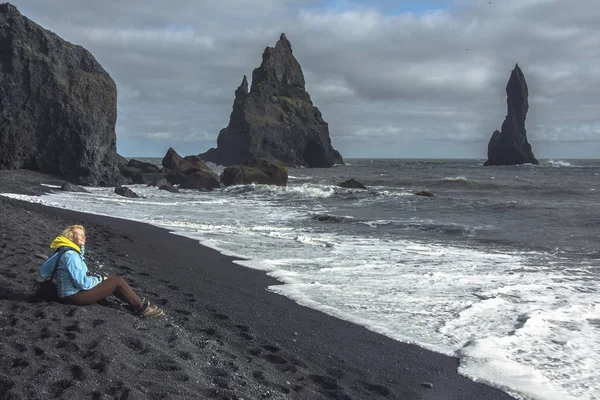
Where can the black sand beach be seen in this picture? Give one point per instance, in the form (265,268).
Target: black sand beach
(224,336)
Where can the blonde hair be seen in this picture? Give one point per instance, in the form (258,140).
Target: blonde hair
(69,231)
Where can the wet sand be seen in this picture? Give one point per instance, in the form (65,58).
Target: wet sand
(224,336)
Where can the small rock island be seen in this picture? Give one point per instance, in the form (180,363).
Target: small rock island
(276,119)
(510,146)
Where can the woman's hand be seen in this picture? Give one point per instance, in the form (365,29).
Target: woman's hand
(104,278)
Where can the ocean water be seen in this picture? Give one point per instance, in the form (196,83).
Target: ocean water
(501,268)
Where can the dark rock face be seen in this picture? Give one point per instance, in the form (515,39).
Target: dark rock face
(169,188)
(189,172)
(276,119)
(510,146)
(200,180)
(352,184)
(58,106)
(174,162)
(69,187)
(136,171)
(424,193)
(255,170)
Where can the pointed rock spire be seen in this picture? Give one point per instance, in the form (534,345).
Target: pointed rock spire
(510,146)
(276,119)
(279,70)
(242,90)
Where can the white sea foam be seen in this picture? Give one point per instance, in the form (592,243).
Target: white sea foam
(559,163)
(455,178)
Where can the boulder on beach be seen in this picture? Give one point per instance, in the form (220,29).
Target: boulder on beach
(276,119)
(58,106)
(255,170)
(510,146)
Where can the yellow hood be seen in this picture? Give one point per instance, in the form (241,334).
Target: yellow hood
(61,241)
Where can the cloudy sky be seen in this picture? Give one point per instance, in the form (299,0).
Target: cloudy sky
(393,78)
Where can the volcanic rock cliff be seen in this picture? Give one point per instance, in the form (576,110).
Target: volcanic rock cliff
(58,106)
(276,119)
(510,146)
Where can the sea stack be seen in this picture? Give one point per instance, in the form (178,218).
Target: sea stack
(510,146)
(276,119)
(58,106)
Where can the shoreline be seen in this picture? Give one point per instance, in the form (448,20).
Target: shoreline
(225,335)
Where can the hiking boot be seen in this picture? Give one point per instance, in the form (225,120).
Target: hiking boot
(149,311)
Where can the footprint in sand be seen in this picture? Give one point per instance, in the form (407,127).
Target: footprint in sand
(210,331)
(167,365)
(172,338)
(68,346)
(20,347)
(136,344)
(325,382)
(77,372)
(73,328)
(59,387)
(275,359)
(46,334)
(71,312)
(336,373)
(20,362)
(255,351)
(99,362)
(375,388)
(97,322)
(92,345)
(298,362)
(271,348)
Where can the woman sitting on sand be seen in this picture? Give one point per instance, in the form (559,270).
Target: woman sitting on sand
(77,286)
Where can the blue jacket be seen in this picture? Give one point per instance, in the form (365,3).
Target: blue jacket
(71,271)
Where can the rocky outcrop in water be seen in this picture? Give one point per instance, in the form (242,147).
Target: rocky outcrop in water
(189,172)
(69,187)
(352,184)
(510,146)
(125,192)
(276,119)
(255,171)
(58,106)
